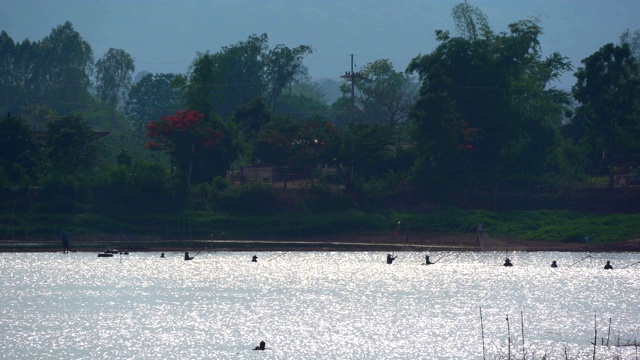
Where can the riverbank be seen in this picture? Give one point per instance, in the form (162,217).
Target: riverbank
(343,242)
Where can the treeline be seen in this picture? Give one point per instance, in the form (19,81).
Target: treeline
(478,116)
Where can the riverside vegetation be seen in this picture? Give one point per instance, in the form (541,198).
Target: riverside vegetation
(473,132)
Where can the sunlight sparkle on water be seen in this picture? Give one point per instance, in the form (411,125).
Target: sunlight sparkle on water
(312,305)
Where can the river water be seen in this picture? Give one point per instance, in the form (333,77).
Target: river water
(318,305)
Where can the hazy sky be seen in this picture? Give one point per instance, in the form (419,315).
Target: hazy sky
(165,35)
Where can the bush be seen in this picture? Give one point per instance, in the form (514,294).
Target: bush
(251,199)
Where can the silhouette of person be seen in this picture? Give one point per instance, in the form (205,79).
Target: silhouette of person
(65,242)
(261,346)
(186,256)
(426,260)
(554,264)
(162,255)
(254,258)
(390,258)
(507,262)
(608,266)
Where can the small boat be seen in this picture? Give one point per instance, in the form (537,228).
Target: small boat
(105,255)
(111,251)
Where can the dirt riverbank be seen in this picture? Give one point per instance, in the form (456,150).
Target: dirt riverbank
(342,242)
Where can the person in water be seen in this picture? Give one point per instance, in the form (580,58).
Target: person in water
(162,255)
(254,258)
(261,346)
(187,257)
(608,266)
(554,264)
(390,258)
(65,242)
(507,262)
(480,230)
(426,260)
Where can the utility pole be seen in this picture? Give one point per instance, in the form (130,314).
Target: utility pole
(351,75)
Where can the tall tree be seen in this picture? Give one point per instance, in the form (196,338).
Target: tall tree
(153,96)
(284,67)
(19,151)
(387,96)
(241,69)
(633,40)
(608,90)
(62,68)
(486,111)
(73,147)
(114,71)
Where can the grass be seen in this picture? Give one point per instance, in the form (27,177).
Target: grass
(543,225)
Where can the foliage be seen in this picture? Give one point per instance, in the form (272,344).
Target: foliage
(283,68)
(485,111)
(250,199)
(608,90)
(72,146)
(363,151)
(153,96)
(298,145)
(113,75)
(19,152)
(135,188)
(387,97)
(242,72)
(192,142)
(55,71)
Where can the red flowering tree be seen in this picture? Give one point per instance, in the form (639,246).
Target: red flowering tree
(298,145)
(190,141)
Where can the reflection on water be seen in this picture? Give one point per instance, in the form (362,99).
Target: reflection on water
(310,305)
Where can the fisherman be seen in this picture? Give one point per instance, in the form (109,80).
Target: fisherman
(261,346)
(554,264)
(608,266)
(187,257)
(507,262)
(480,230)
(254,258)
(390,258)
(65,242)
(162,255)
(426,260)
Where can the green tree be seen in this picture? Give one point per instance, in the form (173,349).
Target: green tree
(486,111)
(153,96)
(362,150)
(284,67)
(72,146)
(201,89)
(240,67)
(19,151)
(137,187)
(387,96)
(11,84)
(62,64)
(113,76)
(633,40)
(608,90)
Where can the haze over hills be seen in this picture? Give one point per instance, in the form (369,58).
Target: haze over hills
(165,35)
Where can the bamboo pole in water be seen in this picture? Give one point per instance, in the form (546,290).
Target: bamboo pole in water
(595,334)
(482,332)
(508,338)
(524,354)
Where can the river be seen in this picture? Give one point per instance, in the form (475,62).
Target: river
(318,305)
